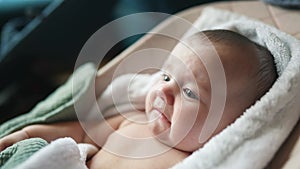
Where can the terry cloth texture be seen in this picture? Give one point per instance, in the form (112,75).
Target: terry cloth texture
(252,140)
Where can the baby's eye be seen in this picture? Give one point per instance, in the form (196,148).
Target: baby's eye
(189,93)
(166,77)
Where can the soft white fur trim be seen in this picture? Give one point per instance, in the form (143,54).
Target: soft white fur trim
(252,140)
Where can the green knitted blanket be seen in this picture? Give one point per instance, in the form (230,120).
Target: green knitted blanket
(56,107)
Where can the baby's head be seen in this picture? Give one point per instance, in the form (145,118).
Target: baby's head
(179,103)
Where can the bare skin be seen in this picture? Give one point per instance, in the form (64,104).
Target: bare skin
(103,159)
(184,100)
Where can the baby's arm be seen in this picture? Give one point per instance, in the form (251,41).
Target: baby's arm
(49,132)
(98,132)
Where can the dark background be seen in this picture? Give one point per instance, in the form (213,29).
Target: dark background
(41,39)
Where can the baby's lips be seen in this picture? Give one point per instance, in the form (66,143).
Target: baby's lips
(153,115)
(157,108)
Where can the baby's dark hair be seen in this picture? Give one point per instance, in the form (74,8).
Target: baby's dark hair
(267,72)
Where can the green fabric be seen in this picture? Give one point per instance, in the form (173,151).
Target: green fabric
(19,152)
(59,106)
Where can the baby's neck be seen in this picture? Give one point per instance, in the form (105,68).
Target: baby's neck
(141,152)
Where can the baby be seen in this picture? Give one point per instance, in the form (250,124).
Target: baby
(176,106)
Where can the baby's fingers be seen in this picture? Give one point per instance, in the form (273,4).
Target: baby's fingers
(12,138)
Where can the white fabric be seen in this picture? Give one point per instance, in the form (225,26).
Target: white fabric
(61,153)
(252,140)
(126,93)
(249,143)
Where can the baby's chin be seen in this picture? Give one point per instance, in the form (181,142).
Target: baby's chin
(181,144)
(163,136)
(159,130)
(157,122)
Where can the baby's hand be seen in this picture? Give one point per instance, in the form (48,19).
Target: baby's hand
(12,138)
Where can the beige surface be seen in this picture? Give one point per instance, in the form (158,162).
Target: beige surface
(284,19)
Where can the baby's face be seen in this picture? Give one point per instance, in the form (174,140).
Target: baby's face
(177,106)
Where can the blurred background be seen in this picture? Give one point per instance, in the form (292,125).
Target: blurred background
(41,39)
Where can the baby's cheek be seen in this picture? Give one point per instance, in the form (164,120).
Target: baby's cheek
(189,122)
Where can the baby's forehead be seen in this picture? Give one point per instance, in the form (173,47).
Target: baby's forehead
(197,53)
(181,49)
(183,60)
(202,54)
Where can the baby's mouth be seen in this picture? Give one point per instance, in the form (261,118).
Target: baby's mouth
(165,118)
(159,109)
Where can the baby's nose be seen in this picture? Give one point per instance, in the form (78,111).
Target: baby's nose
(166,94)
(159,103)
